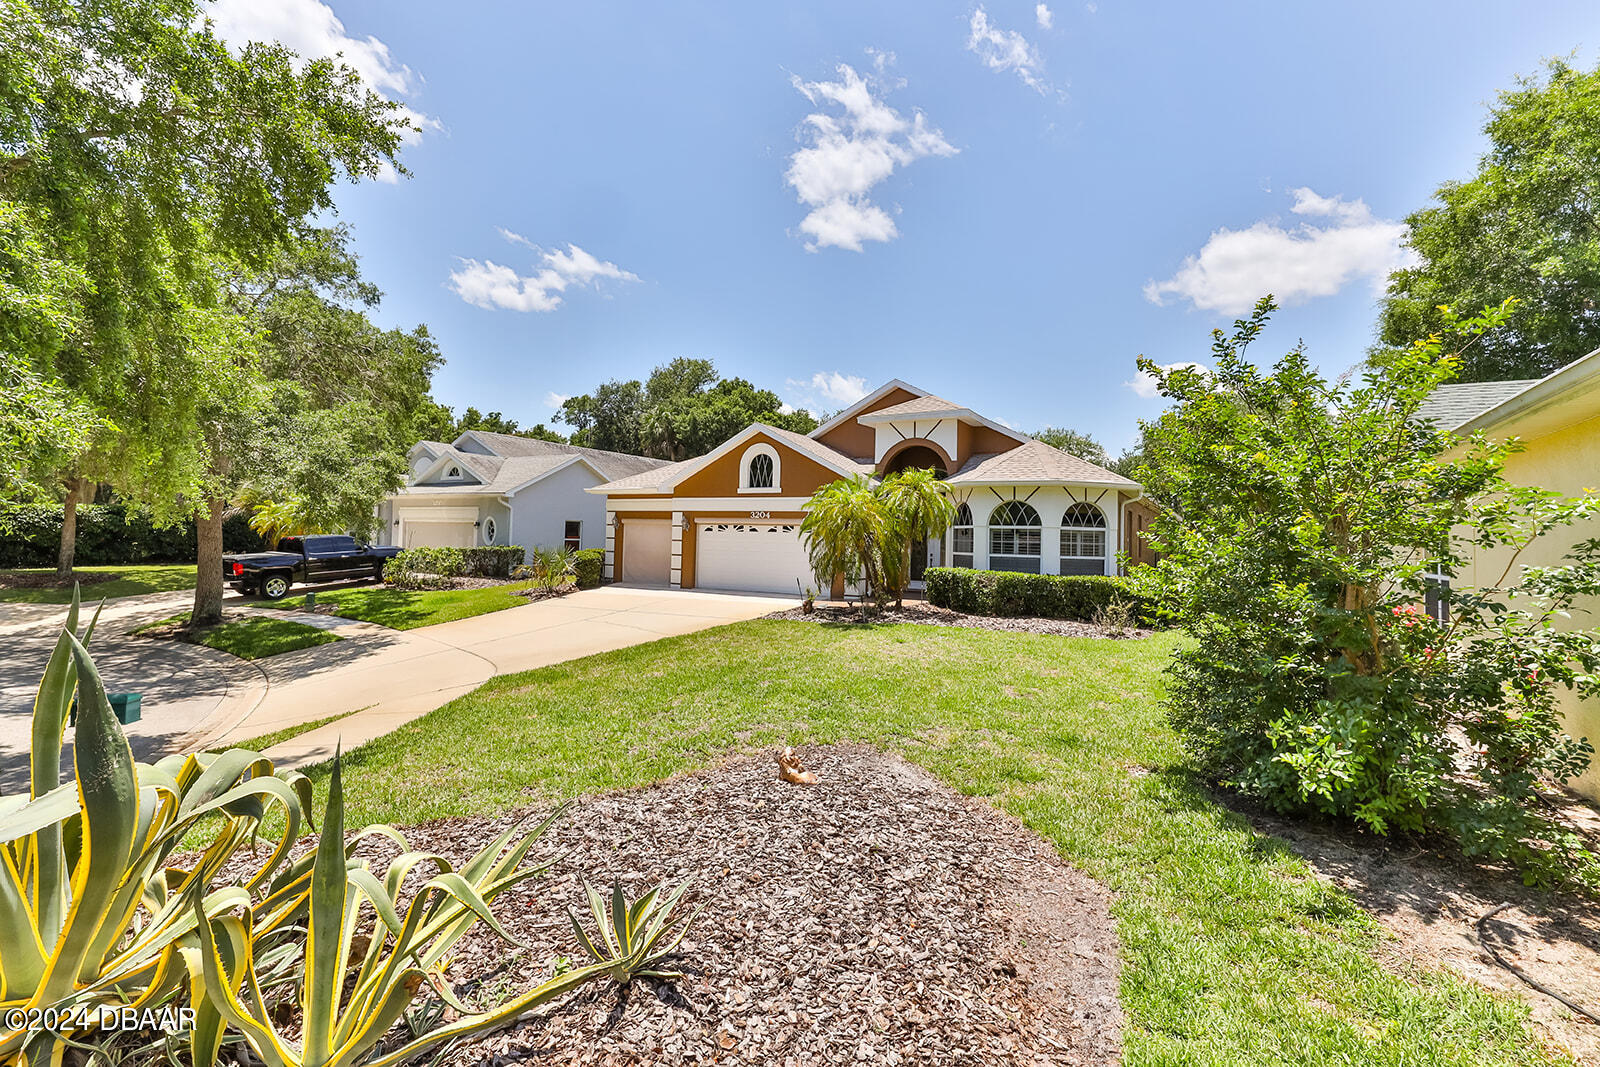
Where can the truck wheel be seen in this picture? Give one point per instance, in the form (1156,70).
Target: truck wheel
(275,587)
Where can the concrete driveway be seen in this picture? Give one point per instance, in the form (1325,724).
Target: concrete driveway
(376,678)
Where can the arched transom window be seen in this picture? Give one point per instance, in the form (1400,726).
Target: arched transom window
(1014,537)
(1083,540)
(961,538)
(759,469)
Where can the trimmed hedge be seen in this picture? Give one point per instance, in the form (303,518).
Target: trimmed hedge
(490,561)
(108,535)
(1045,596)
(589,563)
(432,568)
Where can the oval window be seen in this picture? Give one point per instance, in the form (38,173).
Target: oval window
(488,531)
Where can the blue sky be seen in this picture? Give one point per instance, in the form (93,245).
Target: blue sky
(1004,203)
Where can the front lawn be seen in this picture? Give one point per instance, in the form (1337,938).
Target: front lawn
(254,637)
(37,585)
(401,609)
(1233,952)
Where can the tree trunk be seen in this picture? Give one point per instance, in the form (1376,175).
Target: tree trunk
(208,564)
(69,525)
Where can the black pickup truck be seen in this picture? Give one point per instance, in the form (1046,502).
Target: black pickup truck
(306,560)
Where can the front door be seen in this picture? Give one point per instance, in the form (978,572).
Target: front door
(919,561)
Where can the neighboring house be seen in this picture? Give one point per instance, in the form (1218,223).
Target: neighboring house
(497,489)
(731,519)
(1558,420)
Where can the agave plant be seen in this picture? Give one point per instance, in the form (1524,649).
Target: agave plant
(346,1016)
(635,937)
(91,913)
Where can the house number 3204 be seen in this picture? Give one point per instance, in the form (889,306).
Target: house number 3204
(761,514)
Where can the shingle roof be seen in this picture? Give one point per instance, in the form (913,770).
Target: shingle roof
(508,474)
(797,441)
(648,479)
(917,406)
(1455,403)
(611,464)
(1034,462)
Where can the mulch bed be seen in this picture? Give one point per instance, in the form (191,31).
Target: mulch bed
(877,917)
(928,615)
(48,580)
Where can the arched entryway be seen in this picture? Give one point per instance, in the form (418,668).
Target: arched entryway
(918,454)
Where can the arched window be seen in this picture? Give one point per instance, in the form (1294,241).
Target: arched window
(1083,540)
(761,472)
(961,538)
(1014,537)
(453,472)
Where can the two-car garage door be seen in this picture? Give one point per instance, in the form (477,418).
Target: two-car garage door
(766,557)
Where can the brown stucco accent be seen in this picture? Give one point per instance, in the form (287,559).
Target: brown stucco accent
(686,557)
(912,442)
(986,440)
(856,440)
(643,515)
(800,474)
(1137,515)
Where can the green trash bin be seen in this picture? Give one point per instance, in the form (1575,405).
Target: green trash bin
(125,706)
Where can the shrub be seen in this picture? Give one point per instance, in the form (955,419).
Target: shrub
(551,570)
(490,561)
(127,922)
(1045,596)
(424,568)
(590,564)
(109,535)
(1303,521)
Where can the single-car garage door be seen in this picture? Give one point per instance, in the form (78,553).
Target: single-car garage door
(437,534)
(646,551)
(764,557)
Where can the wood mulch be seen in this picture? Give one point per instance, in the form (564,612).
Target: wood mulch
(927,615)
(877,917)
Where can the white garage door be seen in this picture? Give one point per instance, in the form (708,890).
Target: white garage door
(437,535)
(646,551)
(765,557)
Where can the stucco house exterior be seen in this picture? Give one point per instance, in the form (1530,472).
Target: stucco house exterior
(497,489)
(731,519)
(1558,421)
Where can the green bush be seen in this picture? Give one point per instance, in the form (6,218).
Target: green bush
(589,562)
(1045,596)
(108,535)
(490,561)
(424,568)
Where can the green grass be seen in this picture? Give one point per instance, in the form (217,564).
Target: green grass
(255,637)
(126,581)
(1233,953)
(266,741)
(400,609)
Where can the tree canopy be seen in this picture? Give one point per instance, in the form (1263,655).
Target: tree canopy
(685,409)
(1525,227)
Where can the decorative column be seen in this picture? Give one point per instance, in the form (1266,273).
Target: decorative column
(980,538)
(676,578)
(611,545)
(1113,532)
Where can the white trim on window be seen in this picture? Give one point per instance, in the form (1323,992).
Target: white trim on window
(773,475)
(1016,537)
(961,538)
(488,529)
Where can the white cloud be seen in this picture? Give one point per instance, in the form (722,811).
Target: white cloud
(1235,268)
(1043,16)
(846,155)
(1004,50)
(487,284)
(554,400)
(311,29)
(827,390)
(1145,385)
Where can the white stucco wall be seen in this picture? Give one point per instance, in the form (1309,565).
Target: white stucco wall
(540,512)
(888,434)
(1051,502)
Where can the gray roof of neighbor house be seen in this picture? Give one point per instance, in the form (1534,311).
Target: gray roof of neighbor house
(1456,403)
(521,460)
(1035,462)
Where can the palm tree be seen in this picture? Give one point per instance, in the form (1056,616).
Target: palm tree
(921,507)
(847,529)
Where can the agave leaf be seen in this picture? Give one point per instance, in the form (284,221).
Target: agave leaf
(583,938)
(619,918)
(326,937)
(23,962)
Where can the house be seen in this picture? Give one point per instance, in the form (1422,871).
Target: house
(1558,421)
(498,489)
(731,519)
